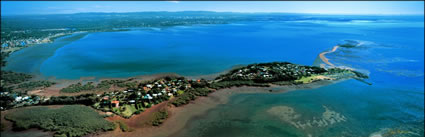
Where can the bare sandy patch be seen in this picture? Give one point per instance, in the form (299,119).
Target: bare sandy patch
(326,60)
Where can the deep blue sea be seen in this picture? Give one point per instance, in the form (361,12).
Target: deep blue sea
(392,54)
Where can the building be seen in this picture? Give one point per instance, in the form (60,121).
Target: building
(117,103)
(18,98)
(4,45)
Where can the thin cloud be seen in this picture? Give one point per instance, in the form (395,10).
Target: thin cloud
(174,1)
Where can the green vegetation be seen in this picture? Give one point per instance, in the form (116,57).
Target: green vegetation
(312,78)
(349,44)
(35,84)
(4,55)
(9,77)
(236,83)
(86,99)
(128,110)
(159,117)
(180,92)
(190,95)
(2,126)
(63,121)
(74,88)
(124,127)
(360,75)
(307,79)
(103,85)
(127,84)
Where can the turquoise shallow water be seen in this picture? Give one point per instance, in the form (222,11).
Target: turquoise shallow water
(29,60)
(367,110)
(392,55)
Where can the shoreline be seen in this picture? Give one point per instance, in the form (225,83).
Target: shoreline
(142,77)
(53,39)
(54,90)
(46,40)
(45,51)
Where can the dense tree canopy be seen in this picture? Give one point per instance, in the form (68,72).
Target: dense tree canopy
(63,121)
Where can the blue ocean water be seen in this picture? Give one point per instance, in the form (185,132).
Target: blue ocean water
(392,55)
(194,50)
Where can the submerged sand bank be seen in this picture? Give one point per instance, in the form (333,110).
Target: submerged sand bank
(326,60)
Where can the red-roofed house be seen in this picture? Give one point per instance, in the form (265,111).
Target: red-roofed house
(117,103)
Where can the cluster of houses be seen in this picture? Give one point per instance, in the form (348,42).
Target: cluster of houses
(272,70)
(28,41)
(17,100)
(146,94)
(19,43)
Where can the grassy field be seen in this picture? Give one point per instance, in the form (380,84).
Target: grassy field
(128,110)
(69,120)
(312,78)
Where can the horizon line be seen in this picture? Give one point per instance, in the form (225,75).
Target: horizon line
(241,12)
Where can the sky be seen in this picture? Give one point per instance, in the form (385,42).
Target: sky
(318,7)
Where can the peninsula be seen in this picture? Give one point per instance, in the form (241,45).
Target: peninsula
(138,96)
